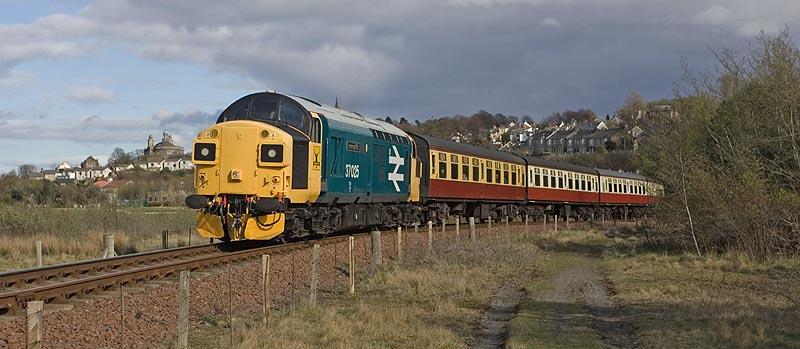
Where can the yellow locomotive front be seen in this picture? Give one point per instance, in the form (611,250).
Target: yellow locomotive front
(251,165)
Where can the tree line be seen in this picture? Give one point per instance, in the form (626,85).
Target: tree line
(730,163)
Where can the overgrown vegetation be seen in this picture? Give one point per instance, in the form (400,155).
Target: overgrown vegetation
(70,234)
(677,299)
(20,190)
(731,164)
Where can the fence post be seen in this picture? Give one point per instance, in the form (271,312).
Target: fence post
(458,227)
(472,228)
(506,220)
(400,244)
(351,270)
(34,324)
(430,237)
(314,274)
(265,295)
(165,239)
(526,222)
(555,223)
(108,246)
(490,224)
(183,311)
(189,235)
(444,225)
(603,219)
(376,252)
(39,253)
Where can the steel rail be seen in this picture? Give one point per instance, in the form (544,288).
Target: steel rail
(59,283)
(91,276)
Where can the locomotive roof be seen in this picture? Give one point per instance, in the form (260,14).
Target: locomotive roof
(466,149)
(347,117)
(618,174)
(535,161)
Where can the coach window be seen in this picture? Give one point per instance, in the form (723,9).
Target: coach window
(453,166)
(497,173)
(476,175)
(537,178)
(433,165)
(589,185)
(442,166)
(505,173)
(569,183)
(464,168)
(583,184)
(489,172)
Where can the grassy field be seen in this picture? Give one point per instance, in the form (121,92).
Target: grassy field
(663,298)
(70,234)
(674,299)
(426,302)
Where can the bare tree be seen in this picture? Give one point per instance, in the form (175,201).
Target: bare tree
(26,171)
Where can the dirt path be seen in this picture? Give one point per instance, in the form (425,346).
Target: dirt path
(578,297)
(494,325)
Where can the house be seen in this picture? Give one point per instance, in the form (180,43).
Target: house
(90,163)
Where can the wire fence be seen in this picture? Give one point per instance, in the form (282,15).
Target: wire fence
(216,307)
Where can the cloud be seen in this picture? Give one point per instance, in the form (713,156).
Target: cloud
(412,57)
(550,22)
(14,78)
(88,94)
(193,119)
(749,19)
(107,130)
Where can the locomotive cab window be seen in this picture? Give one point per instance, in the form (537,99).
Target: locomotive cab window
(266,106)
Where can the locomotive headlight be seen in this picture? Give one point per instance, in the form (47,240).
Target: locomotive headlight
(205,151)
(272,153)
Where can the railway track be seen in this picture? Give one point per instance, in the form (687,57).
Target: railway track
(64,282)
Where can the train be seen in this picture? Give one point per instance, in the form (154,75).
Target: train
(283,166)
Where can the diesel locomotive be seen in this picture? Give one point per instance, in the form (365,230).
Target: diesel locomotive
(282,165)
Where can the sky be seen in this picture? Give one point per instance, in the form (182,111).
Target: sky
(80,78)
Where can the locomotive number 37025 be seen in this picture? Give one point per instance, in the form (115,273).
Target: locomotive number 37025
(351,171)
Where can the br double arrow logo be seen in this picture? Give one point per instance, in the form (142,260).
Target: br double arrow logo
(397,161)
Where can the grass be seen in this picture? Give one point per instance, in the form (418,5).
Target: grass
(536,325)
(426,302)
(71,234)
(682,300)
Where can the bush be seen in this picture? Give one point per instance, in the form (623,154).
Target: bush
(731,164)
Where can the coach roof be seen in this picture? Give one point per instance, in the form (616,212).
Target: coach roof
(619,174)
(534,161)
(470,150)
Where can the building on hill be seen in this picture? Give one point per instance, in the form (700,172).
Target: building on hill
(162,150)
(579,138)
(90,163)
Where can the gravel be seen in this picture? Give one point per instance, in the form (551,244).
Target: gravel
(146,315)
